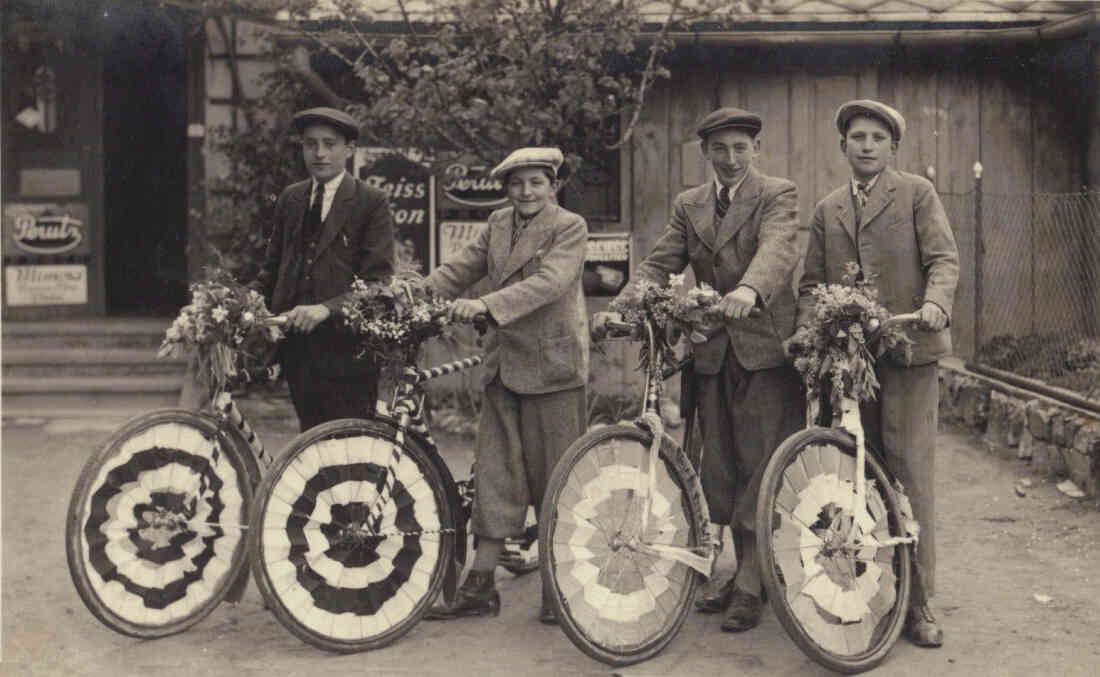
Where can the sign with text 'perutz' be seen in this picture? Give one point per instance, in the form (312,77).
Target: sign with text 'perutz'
(468,186)
(409,186)
(46,229)
(47,285)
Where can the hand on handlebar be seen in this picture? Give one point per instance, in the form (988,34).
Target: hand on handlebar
(602,319)
(932,317)
(464,310)
(738,304)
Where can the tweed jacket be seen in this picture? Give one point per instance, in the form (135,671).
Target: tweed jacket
(541,342)
(904,243)
(754,245)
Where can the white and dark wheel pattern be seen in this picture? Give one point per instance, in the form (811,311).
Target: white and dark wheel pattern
(353,536)
(159,533)
(623,601)
(837,570)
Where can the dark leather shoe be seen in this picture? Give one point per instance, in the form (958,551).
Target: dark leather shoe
(921,627)
(717,601)
(477,596)
(745,612)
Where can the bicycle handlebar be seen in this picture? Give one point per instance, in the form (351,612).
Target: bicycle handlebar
(625,329)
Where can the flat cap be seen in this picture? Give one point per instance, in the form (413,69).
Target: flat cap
(880,111)
(328,116)
(729,118)
(551,158)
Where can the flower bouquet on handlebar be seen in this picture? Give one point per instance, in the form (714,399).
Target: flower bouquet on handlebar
(224,322)
(392,320)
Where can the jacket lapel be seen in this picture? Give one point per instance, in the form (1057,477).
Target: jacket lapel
(882,194)
(700,211)
(337,214)
(846,213)
(296,210)
(500,242)
(741,208)
(533,236)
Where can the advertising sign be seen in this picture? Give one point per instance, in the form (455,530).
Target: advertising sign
(410,188)
(468,186)
(606,263)
(454,235)
(48,285)
(46,229)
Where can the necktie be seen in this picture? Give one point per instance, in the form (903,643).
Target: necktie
(313,216)
(518,226)
(723,203)
(863,191)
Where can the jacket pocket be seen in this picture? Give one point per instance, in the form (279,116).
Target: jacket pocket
(558,359)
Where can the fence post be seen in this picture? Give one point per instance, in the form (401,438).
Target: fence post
(979,258)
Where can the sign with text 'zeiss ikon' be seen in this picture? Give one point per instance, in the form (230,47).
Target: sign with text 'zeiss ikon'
(45,229)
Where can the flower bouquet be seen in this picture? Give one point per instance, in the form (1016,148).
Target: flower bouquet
(224,321)
(835,349)
(392,320)
(674,308)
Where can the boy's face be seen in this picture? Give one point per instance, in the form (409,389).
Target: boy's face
(731,152)
(868,145)
(529,189)
(326,151)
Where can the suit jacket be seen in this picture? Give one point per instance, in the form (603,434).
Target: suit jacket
(356,239)
(904,242)
(754,245)
(541,342)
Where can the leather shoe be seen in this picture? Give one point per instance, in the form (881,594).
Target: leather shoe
(716,601)
(477,596)
(745,612)
(921,627)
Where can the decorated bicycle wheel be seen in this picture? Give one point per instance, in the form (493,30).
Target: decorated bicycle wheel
(615,601)
(351,535)
(837,578)
(155,535)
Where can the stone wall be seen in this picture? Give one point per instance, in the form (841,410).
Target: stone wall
(1058,439)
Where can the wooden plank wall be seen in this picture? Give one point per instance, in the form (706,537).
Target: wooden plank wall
(1007,109)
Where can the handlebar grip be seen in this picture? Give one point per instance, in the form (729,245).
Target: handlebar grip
(276,320)
(481,323)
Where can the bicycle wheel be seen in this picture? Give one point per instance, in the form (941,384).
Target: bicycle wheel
(616,603)
(349,545)
(155,529)
(843,602)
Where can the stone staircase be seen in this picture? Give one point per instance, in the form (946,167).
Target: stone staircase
(86,367)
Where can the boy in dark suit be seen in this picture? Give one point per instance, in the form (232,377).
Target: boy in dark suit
(328,229)
(893,224)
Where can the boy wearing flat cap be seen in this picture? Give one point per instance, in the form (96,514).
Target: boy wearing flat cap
(328,229)
(536,362)
(738,233)
(893,225)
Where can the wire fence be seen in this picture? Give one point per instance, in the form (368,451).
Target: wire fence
(1029,291)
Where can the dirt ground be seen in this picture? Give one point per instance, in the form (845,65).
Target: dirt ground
(1017,576)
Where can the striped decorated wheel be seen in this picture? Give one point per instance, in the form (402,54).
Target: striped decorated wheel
(837,584)
(155,535)
(616,602)
(351,535)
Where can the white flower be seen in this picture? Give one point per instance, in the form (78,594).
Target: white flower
(219,314)
(676,280)
(247,317)
(173,333)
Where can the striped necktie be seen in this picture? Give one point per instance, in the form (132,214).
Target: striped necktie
(723,203)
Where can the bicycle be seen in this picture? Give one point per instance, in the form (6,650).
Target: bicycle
(155,531)
(358,525)
(836,533)
(625,527)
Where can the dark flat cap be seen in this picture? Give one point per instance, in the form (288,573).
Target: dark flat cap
(729,118)
(328,116)
(871,108)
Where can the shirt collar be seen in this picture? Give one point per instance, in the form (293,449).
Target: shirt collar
(331,185)
(870,183)
(733,189)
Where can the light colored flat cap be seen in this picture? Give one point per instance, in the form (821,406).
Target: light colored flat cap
(876,109)
(551,158)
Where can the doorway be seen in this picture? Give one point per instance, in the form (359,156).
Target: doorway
(145,161)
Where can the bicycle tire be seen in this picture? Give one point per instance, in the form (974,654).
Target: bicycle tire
(155,531)
(849,607)
(616,618)
(327,579)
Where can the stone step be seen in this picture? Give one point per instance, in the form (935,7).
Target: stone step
(33,396)
(88,361)
(128,332)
